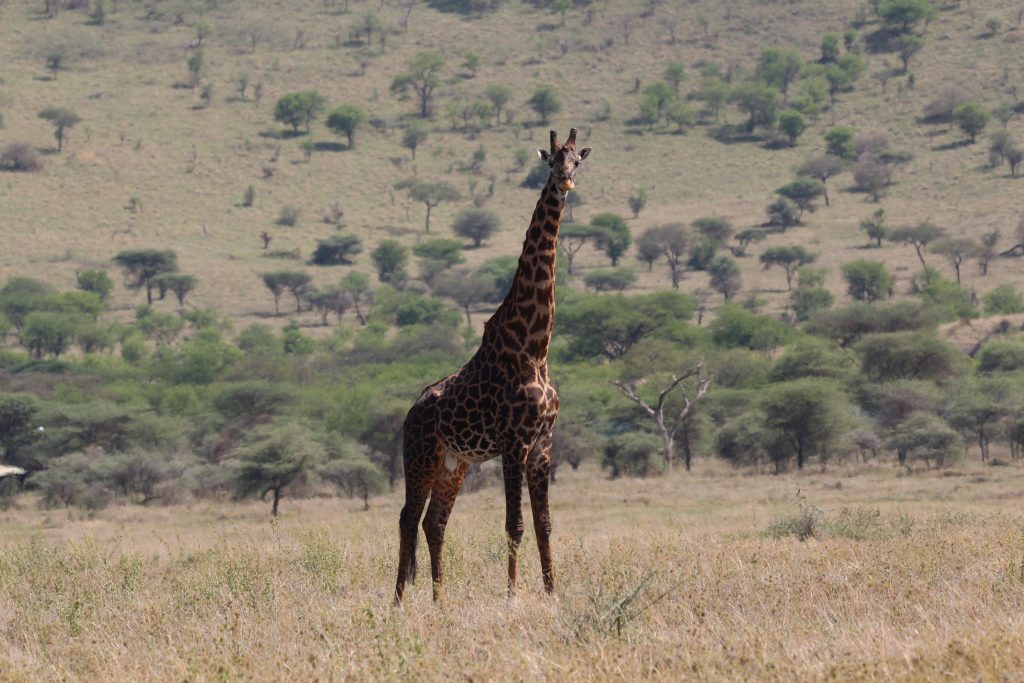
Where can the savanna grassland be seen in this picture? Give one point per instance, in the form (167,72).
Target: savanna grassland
(146,135)
(853,510)
(686,577)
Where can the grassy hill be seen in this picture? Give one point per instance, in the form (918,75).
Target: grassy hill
(151,165)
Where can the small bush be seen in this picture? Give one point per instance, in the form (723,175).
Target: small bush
(21,157)
(337,250)
(804,524)
(1004,299)
(288,217)
(940,107)
(616,279)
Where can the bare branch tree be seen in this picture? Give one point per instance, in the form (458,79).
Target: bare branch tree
(657,411)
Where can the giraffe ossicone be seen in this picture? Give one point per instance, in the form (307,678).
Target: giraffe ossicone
(499,404)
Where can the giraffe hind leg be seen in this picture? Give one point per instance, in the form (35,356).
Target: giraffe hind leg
(538,467)
(442,500)
(421,461)
(512,469)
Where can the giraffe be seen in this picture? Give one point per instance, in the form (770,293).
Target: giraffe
(500,403)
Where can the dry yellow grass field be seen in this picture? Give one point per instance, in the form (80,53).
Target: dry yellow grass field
(917,577)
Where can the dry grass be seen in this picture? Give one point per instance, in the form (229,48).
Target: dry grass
(687,577)
(142,137)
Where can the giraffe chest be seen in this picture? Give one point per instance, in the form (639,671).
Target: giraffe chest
(480,420)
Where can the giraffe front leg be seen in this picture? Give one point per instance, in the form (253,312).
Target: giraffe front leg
(442,500)
(538,470)
(512,467)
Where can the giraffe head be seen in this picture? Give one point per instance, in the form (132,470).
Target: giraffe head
(564,160)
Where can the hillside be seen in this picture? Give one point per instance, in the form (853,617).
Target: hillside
(151,165)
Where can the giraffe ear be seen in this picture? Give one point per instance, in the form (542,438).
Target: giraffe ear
(544,156)
(584,153)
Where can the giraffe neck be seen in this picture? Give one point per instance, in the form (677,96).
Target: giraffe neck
(522,324)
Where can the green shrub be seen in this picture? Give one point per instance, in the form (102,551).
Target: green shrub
(1004,299)
(1001,355)
(633,454)
(735,327)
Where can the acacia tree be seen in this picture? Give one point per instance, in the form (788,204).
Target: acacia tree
(714,228)
(926,436)
(806,415)
(957,250)
(390,257)
(875,227)
(545,102)
(177,283)
(867,281)
(465,288)
(142,266)
(725,276)
(277,457)
(905,14)
(476,224)
(358,285)
(822,167)
(499,95)
(299,108)
(790,259)
(745,238)
(614,238)
(803,192)
(574,236)
(778,67)
(988,249)
(430,193)
(63,120)
(296,282)
(345,120)
(336,250)
(422,76)
(648,250)
(48,332)
(668,427)
(908,45)
(760,102)
(356,476)
(919,236)
(272,281)
(972,119)
(413,137)
(980,407)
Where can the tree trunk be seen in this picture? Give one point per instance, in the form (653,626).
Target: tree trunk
(277,499)
(426,227)
(687,445)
